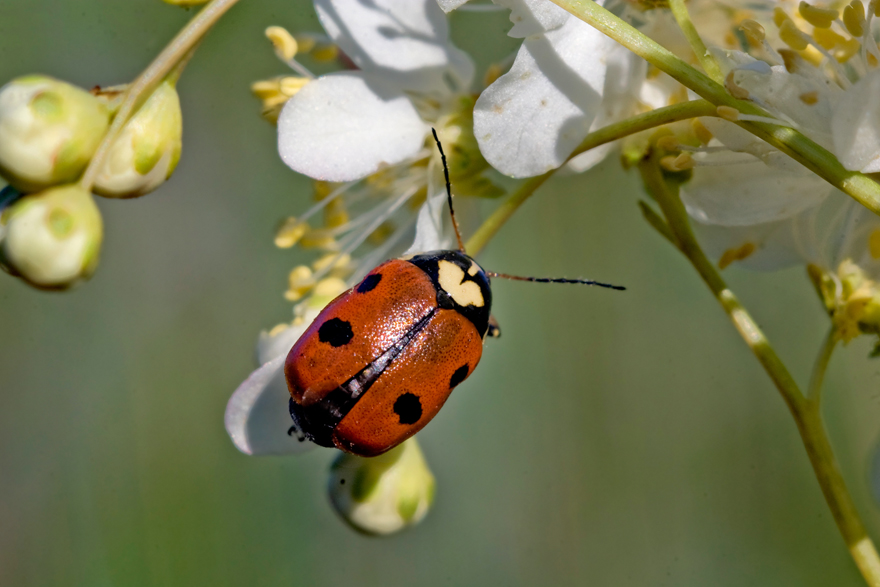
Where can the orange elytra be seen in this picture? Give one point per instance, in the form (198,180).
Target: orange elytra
(380,360)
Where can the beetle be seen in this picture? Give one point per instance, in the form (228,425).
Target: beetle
(380,360)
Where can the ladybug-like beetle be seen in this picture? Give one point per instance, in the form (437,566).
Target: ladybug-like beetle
(380,360)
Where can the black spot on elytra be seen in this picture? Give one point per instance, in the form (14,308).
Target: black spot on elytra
(408,408)
(458,376)
(369,283)
(336,332)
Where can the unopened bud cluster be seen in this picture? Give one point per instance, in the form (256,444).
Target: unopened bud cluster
(51,231)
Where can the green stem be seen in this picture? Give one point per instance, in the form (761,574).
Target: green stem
(805,410)
(597,138)
(177,50)
(680,13)
(814,391)
(791,142)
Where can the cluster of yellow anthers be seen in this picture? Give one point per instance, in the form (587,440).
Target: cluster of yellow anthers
(275,92)
(332,266)
(824,41)
(851,298)
(823,48)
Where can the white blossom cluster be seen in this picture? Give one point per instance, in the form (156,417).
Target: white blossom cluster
(365,132)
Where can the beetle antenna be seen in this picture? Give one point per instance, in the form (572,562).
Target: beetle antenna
(449,192)
(554,280)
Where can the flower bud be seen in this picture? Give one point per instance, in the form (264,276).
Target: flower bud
(51,239)
(384,494)
(147,150)
(49,131)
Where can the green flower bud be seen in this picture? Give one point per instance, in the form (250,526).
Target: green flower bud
(147,150)
(382,495)
(51,239)
(49,131)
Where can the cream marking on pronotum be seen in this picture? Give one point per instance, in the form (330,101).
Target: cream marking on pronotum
(473,269)
(451,279)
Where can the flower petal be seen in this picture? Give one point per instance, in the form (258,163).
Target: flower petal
(404,41)
(429,226)
(532,17)
(760,247)
(257,416)
(750,193)
(448,6)
(343,127)
(531,119)
(855,125)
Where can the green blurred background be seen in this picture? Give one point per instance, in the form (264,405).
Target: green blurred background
(607,439)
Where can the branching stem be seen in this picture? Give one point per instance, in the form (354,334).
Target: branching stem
(791,142)
(805,410)
(607,134)
(178,50)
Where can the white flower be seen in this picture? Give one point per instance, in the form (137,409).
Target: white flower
(567,79)
(257,417)
(739,180)
(345,126)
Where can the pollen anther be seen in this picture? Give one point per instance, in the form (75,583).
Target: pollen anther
(818,17)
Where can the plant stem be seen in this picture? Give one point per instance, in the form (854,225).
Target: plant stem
(680,13)
(805,410)
(791,142)
(177,50)
(814,391)
(606,134)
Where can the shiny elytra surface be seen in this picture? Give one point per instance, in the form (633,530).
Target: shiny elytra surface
(443,354)
(378,318)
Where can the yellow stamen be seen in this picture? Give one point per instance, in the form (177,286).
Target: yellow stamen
(682,162)
(792,36)
(702,133)
(733,89)
(809,98)
(753,31)
(728,113)
(318,239)
(326,52)
(335,214)
(828,39)
(818,17)
(849,48)
(668,143)
(854,18)
(340,267)
(290,233)
(285,44)
(265,89)
(779,16)
(790,59)
(305,42)
(739,253)
(291,85)
(300,281)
